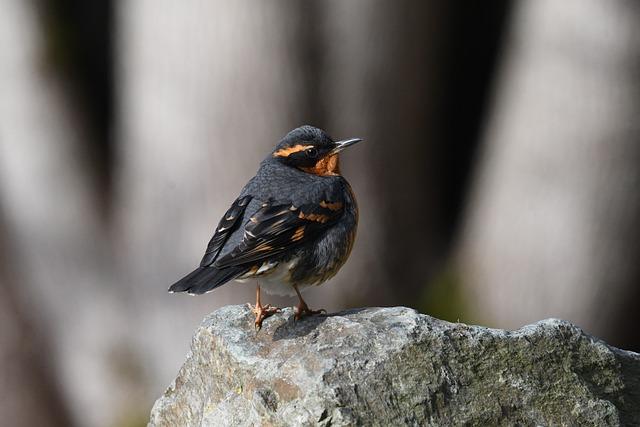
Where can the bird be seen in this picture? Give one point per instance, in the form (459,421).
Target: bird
(292,226)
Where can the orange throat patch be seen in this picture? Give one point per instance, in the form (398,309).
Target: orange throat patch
(327,166)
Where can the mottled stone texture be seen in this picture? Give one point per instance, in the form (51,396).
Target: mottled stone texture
(393,366)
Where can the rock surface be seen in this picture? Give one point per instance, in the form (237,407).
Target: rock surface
(393,366)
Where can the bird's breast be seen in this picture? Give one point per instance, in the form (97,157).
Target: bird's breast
(321,261)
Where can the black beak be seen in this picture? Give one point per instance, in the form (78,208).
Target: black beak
(341,145)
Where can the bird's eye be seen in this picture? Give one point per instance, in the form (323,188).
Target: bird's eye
(312,152)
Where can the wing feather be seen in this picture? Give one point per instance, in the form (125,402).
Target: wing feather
(228,224)
(274,229)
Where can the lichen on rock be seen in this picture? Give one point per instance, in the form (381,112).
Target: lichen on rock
(394,366)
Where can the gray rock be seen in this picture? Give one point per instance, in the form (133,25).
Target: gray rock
(393,366)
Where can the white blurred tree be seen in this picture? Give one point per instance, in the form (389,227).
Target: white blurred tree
(30,393)
(205,90)
(63,271)
(553,224)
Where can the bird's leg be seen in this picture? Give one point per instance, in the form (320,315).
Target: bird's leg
(302,309)
(262,311)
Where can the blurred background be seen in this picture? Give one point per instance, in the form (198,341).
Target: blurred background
(498,184)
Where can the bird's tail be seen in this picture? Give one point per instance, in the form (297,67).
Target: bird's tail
(204,279)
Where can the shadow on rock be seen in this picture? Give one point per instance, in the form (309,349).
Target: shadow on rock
(292,329)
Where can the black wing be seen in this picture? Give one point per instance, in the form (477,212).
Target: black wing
(229,222)
(205,277)
(274,229)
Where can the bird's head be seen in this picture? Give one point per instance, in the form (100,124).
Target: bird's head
(311,150)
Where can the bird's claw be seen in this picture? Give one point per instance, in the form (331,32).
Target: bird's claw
(262,312)
(303,310)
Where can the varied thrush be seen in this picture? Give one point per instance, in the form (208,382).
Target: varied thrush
(292,226)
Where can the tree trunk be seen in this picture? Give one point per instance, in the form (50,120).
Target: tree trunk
(553,228)
(202,102)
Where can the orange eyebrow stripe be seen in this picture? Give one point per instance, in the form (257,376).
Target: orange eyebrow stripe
(331,206)
(287,151)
